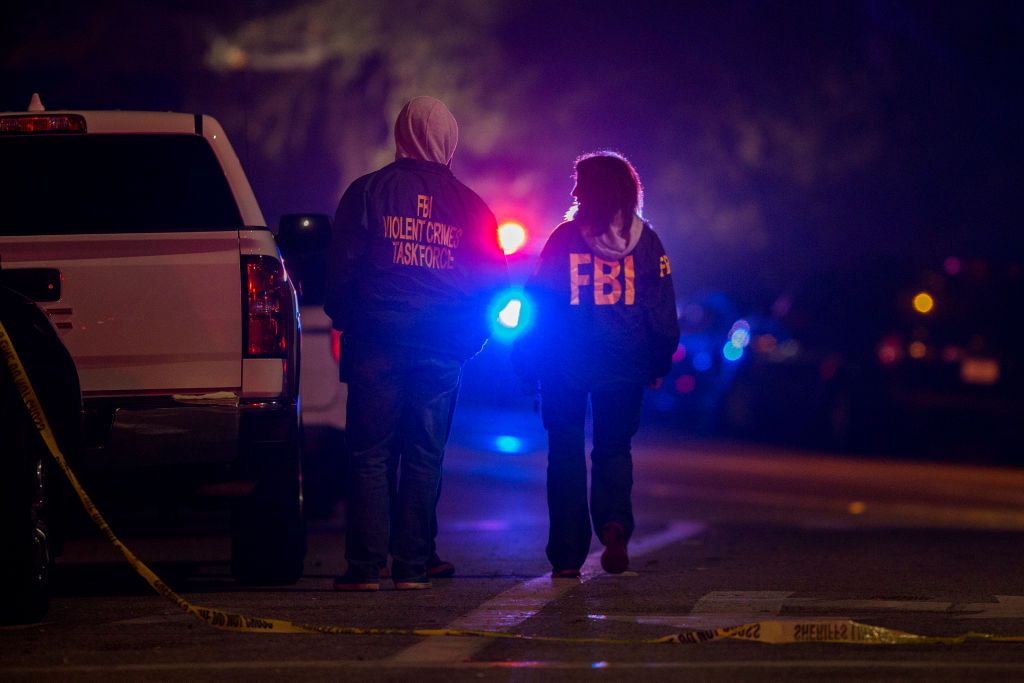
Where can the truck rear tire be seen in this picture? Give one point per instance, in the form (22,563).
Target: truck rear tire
(268,531)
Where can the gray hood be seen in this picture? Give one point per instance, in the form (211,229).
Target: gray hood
(610,244)
(426,130)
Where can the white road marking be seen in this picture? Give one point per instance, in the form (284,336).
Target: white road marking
(719,609)
(1005,607)
(741,602)
(698,622)
(519,603)
(870,605)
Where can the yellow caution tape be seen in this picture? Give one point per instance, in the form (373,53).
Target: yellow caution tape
(773,631)
(843,631)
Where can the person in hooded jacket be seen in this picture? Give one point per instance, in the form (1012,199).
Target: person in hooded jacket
(605,327)
(413,266)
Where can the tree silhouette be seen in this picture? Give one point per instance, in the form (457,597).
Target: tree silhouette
(328,77)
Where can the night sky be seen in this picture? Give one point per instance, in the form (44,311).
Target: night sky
(774,138)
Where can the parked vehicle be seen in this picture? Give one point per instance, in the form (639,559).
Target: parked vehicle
(30,491)
(890,356)
(138,234)
(701,374)
(304,239)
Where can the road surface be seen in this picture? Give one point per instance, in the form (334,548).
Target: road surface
(728,533)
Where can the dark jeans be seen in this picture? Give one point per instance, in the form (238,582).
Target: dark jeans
(616,418)
(400,403)
(393,489)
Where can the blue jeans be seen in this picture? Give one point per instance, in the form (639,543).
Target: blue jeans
(400,402)
(616,418)
(393,489)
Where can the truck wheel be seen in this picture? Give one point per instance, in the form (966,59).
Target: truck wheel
(25,569)
(268,531)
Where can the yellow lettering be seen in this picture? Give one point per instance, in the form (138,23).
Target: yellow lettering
(424,205)
(663,266)
(421,242)
(576,278)
(607,289)
(630,277)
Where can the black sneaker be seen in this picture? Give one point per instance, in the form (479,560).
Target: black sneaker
(565,574)
(351,583)
(439,569)
(615,558)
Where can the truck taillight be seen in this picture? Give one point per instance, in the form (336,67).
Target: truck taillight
(267,307)
(336,346)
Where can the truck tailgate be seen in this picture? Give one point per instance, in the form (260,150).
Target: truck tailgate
(123,301)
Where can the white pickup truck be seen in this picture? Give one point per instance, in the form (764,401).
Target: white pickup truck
(140,237)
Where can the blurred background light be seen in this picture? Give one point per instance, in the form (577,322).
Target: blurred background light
(508,444)
(686,384)
(923,302)
(739,335)
(890,350)
(510,314)
(789,349)
(765,343)
(731,352)
(512,237)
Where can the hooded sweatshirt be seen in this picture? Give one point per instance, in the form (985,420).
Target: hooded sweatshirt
(414,259)
(426,130)
(611,243)
(605,308)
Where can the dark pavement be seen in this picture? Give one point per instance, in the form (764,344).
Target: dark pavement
(728,533)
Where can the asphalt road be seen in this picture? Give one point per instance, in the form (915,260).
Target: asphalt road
(728,534)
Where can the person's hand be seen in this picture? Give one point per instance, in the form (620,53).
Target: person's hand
(656,383)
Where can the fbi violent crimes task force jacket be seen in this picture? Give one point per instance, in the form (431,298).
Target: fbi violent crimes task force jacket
(414,261)
(601,318)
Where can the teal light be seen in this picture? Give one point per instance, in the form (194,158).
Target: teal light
(508,444)
(510,314)
(731,352)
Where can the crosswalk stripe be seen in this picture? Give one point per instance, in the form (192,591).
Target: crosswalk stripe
(529,598)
